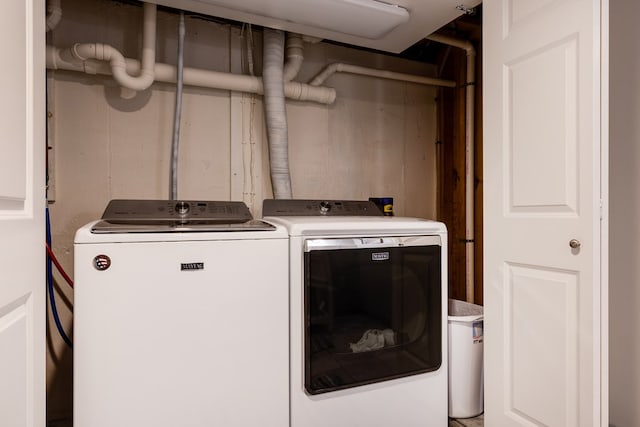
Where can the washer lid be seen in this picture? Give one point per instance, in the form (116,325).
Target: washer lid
(152,216)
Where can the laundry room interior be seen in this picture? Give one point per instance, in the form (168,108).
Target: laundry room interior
(380,137)
(400,133)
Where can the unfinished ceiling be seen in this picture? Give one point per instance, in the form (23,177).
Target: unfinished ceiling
(371,24)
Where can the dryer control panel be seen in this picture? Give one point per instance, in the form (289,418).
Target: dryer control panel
(294,207)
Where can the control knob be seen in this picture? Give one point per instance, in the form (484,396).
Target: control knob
(182,208)
(325,207)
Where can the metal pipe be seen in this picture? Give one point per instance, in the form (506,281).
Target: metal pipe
(175,141)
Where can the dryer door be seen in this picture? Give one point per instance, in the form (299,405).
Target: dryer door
(372,310)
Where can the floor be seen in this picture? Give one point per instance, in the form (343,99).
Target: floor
(462,422)
(467,422)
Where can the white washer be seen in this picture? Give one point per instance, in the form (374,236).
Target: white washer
(181,317)
(368,315)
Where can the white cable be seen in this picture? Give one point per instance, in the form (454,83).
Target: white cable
(250,51)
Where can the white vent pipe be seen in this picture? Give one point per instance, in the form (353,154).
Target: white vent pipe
(469,155)
(275,112)
(294,53)
(338,67)
(54,14)
(81,52)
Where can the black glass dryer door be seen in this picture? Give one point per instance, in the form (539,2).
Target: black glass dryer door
(373,310)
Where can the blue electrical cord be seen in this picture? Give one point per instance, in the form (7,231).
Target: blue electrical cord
(52,298)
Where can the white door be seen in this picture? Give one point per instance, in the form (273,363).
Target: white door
(22,203)
(545,319)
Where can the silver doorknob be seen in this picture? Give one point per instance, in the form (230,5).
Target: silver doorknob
(575,244)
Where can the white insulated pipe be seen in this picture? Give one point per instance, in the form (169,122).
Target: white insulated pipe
(54,14)
(338,67)
(275,112)
(82,52)
(469,156)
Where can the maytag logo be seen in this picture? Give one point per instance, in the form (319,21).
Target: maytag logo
(190,266)
(101,262)
(379,256)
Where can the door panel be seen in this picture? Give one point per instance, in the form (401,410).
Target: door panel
(14,353)
(542,141)
(22,202)
(541,299)
(519,10)
(542,89)
(13,106)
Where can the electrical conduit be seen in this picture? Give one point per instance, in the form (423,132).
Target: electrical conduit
(469,155)
(275,112)
(175,143)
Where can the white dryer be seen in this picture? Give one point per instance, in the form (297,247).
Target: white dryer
(181,317)
(368,315)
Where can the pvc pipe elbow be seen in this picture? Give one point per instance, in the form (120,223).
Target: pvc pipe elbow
(141,82)
(328,71)
(99,51)
(105,52)
(292,67)
(466,45)
(83,51)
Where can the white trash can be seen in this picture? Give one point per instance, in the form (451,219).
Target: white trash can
(466,379)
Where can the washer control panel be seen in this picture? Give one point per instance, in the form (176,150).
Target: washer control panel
(293,207)
(168,216)
(150,211)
